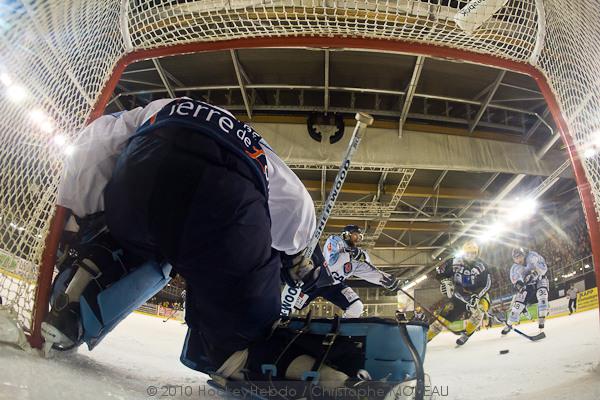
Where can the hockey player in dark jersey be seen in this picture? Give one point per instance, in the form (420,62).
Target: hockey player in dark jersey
(465,280)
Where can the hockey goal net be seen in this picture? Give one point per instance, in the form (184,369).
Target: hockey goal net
(60,61)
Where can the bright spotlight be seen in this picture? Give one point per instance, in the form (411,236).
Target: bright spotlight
(38,115)
(60,140)
(586,266)
(16,93)
(69,150)
(492,232)
(41,119)
(6,79)
(523,209)
(589,152)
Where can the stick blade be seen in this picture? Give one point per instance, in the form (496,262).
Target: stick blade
(537,337)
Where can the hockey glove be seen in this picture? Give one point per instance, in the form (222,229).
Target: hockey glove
(531,277)
(520,285)
(447,288)
(358,255)
(473,303)
(296,269)
(390,283)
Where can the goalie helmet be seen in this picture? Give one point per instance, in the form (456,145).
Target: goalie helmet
(349,230)
(470,250)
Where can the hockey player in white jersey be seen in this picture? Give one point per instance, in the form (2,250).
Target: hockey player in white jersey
(346,259)
(528,275)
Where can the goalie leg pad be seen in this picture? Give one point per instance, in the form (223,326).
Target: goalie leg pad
(101,312)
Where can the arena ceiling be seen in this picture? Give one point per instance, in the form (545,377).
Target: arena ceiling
(449,139)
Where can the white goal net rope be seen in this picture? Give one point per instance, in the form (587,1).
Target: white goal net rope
(56,57)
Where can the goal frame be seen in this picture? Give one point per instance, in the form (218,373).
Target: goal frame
(393,46)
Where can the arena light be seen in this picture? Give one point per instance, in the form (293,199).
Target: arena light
(589,152)
(586,266)
(17,227)
(59,140)
(69,150)
(523,209)
(16,93)
(42,120)
(492,232)
(6,79)
(421,279)
(409,286)
(459,254)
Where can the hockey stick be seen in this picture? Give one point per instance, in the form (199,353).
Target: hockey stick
(170,316)
(428,311)
(290,295)
(533,338)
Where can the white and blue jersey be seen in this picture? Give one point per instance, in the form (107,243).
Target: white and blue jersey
(88,170)
(342,266)
(533,262)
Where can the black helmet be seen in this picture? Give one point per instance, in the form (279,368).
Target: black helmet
(350,229)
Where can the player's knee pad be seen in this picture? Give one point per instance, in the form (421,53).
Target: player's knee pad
(542,298)
(515,312)
(355,310)
(475,320)
(434,330)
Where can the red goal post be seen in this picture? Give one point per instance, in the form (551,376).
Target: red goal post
(555,43)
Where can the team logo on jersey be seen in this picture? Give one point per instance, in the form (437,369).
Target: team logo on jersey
(347,268)
(329,247)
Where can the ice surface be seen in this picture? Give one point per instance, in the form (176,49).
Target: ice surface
(564,365)
(143,351)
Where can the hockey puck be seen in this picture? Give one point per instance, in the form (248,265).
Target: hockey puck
(503,351)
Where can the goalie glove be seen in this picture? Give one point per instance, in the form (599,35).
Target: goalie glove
(298,270)
(447,288)
(473,303)
(531,277)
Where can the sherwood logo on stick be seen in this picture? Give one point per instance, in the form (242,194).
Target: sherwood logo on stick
(476,12)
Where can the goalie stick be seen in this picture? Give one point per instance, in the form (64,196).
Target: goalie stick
(290,295)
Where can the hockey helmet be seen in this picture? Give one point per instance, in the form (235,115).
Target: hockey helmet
(350,229)
(470,250)
(518,252)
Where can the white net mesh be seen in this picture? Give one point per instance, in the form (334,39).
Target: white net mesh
(56,58)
